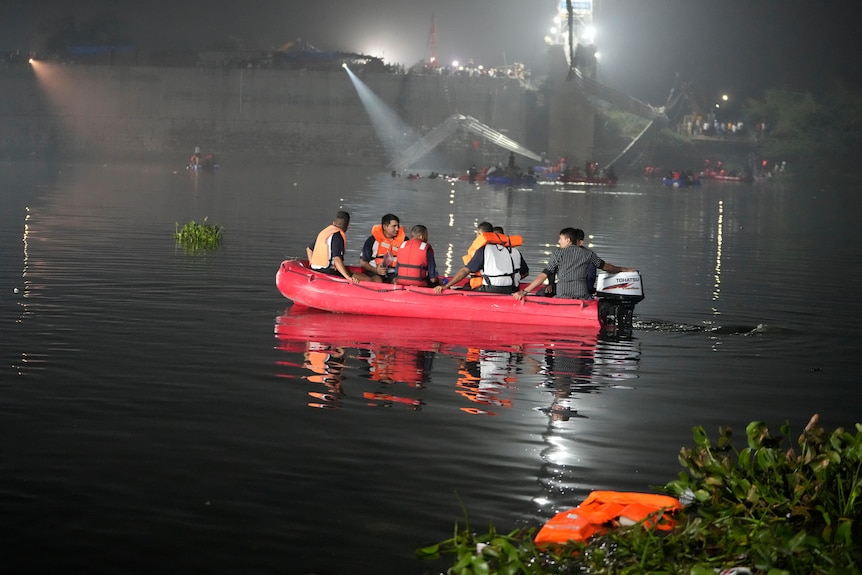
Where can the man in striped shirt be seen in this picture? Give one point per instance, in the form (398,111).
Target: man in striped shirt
(570,266)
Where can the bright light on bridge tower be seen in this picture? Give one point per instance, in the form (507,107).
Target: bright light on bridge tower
(582,21)
(583,39)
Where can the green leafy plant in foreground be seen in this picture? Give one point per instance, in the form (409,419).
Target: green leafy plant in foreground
(196,236)
(491,552)
(772,508)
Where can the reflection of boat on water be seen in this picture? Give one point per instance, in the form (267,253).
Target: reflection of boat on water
(300,325)
(617,295)
(490,355)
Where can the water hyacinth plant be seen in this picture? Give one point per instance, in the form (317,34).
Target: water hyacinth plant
(774,507)
(196,236)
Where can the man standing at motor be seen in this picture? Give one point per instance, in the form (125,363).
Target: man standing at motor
(570,265)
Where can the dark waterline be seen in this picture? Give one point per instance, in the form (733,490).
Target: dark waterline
(156,415)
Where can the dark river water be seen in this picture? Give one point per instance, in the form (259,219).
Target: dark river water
(162,411)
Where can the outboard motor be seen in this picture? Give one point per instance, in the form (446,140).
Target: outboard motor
(617,295)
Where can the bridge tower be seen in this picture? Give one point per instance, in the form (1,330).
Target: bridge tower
(571,116)
(432,42)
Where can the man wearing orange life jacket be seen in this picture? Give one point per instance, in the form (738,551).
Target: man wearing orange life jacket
(501,265)
(416,265)
(326,254)
(380,252)
(483,228)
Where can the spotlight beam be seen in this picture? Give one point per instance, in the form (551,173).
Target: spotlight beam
(394,134)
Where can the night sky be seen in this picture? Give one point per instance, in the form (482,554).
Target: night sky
(738,47)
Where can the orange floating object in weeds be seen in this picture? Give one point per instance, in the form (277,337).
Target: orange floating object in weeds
(603,510)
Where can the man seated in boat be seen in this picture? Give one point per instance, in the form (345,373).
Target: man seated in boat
(513,241)
(569,264)
(499,262)
(380,252)
(326,254)
(416,265)
(480,241)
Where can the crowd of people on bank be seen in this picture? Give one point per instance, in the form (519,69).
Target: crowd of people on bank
(492,263)
(515,71)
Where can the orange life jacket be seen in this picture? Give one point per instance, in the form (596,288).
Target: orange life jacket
(387,246)
(320,256)
(604,509)
(412,266)
(480,242)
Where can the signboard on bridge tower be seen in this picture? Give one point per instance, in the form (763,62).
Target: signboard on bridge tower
(580,7)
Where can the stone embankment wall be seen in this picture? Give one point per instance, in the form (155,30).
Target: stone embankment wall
(280,115)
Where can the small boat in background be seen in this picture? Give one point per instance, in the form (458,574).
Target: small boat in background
(206,163)
(588,181)
(519,180)
(725,176)
(681,182)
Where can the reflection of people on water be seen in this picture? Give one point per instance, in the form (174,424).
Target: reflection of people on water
(388,364)
(585,369)
(327,363)
(391,365)
(587,365)
(484,376)
(568,372)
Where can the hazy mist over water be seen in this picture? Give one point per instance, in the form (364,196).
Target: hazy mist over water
(168,411)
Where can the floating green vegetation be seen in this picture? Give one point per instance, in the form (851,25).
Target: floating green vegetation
(196,236)
(772,508)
